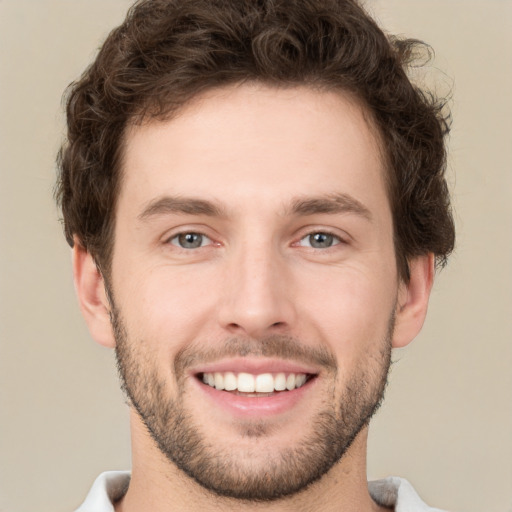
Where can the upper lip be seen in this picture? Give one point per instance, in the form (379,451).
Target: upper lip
(255,366)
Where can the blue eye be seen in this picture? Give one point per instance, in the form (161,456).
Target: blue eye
(190,240)
(319,240)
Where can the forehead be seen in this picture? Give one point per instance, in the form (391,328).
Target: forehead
(249,142)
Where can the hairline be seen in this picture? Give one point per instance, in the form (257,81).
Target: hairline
(143,116)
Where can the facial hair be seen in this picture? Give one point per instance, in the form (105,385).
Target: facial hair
(286,472)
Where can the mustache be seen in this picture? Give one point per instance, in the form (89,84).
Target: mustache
(281,346)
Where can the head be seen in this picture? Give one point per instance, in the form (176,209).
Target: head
(168,52)
(259,189)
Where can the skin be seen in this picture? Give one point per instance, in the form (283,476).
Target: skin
(254,152)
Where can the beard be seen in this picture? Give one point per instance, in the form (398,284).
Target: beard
(237,474)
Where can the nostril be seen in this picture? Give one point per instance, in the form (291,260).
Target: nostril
(234,327)
(278,326)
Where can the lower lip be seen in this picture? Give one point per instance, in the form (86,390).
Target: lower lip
(256,406)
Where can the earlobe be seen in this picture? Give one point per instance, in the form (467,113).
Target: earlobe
(412,303)
(92,297)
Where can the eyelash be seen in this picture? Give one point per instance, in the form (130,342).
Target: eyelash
(334,238)
(185,234)
(179,238)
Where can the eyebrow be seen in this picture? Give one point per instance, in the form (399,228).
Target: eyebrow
(180,205)
(330,204)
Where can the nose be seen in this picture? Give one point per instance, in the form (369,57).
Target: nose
(257,294)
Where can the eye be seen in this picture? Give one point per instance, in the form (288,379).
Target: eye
(190,240)
(320,240)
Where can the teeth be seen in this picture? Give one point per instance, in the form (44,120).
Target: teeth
(245,383)
(248,383)
(219,380)
(300,380)
(264,383)
(280,382)
(230,381)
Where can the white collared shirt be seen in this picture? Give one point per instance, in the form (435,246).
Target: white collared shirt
(389,492)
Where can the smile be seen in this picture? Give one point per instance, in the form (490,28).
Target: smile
(248,383)
(249,388)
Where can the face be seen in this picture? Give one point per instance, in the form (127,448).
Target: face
(254,285)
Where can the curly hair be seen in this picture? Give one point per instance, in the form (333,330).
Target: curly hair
(168,51)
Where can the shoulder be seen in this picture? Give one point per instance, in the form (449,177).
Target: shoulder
(398,493)
(107,488)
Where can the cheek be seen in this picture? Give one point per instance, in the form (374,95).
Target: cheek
(350,308)
(165,305)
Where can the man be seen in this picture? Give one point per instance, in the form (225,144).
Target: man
(255,197)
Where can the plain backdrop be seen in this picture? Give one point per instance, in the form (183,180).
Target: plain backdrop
(447,421)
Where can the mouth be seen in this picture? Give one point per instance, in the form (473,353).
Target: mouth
(255,385)
(250,388)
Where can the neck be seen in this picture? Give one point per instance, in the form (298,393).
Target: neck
(157,485)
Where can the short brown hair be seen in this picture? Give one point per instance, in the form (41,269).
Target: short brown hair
(168,51)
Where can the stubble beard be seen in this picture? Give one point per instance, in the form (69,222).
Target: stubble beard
(236,475)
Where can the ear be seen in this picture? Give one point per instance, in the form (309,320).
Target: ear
(92,296)
(412,303)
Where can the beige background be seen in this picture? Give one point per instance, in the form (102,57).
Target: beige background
(447,422)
